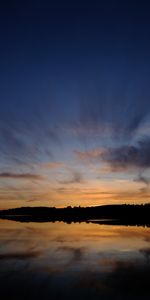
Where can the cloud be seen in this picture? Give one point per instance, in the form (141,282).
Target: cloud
(76,177)
(25,143)
(128,157)
(20,176)
(121,158)
(89,156)
(53,165)
(143,179)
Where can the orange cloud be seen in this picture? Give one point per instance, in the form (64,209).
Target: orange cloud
(89,156)
(53,165)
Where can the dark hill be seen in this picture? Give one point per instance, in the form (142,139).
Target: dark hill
(116,214)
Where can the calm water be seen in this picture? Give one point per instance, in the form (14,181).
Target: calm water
(73,261)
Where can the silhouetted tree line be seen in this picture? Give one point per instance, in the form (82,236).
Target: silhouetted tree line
(112,214)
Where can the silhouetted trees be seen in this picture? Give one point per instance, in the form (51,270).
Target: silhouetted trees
(116,214)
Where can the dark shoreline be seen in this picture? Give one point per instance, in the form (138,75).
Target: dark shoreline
(107,214)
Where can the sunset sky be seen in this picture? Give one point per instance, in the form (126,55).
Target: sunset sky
(74,103)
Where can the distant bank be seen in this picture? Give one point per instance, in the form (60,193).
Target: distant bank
(122,214)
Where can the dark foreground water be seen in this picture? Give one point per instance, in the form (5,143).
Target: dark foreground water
(73,261)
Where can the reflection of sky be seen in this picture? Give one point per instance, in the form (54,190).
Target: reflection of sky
(74,105)
(75,259)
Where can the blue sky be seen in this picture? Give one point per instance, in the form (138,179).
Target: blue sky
(75,97)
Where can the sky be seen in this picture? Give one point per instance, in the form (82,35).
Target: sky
(74,103)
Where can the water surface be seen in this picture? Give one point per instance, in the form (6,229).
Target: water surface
(74,261)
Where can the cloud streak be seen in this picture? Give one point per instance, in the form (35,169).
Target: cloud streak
(125,157)
(143,179)
(128,157)
(20,176)
(76,177)
(89,156)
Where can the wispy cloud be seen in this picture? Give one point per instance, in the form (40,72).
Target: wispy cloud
(142,178)
(128,157)
(52,165)
(20,176)
(89,156)
(76,177)
(125,157)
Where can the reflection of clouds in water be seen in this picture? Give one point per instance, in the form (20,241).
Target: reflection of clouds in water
(77,253)
(127,280)
(146,253)
(84,261)
(21,241)
(147,239)
(113,232)
(19,255)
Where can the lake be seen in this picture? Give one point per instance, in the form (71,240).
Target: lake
(73,261)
